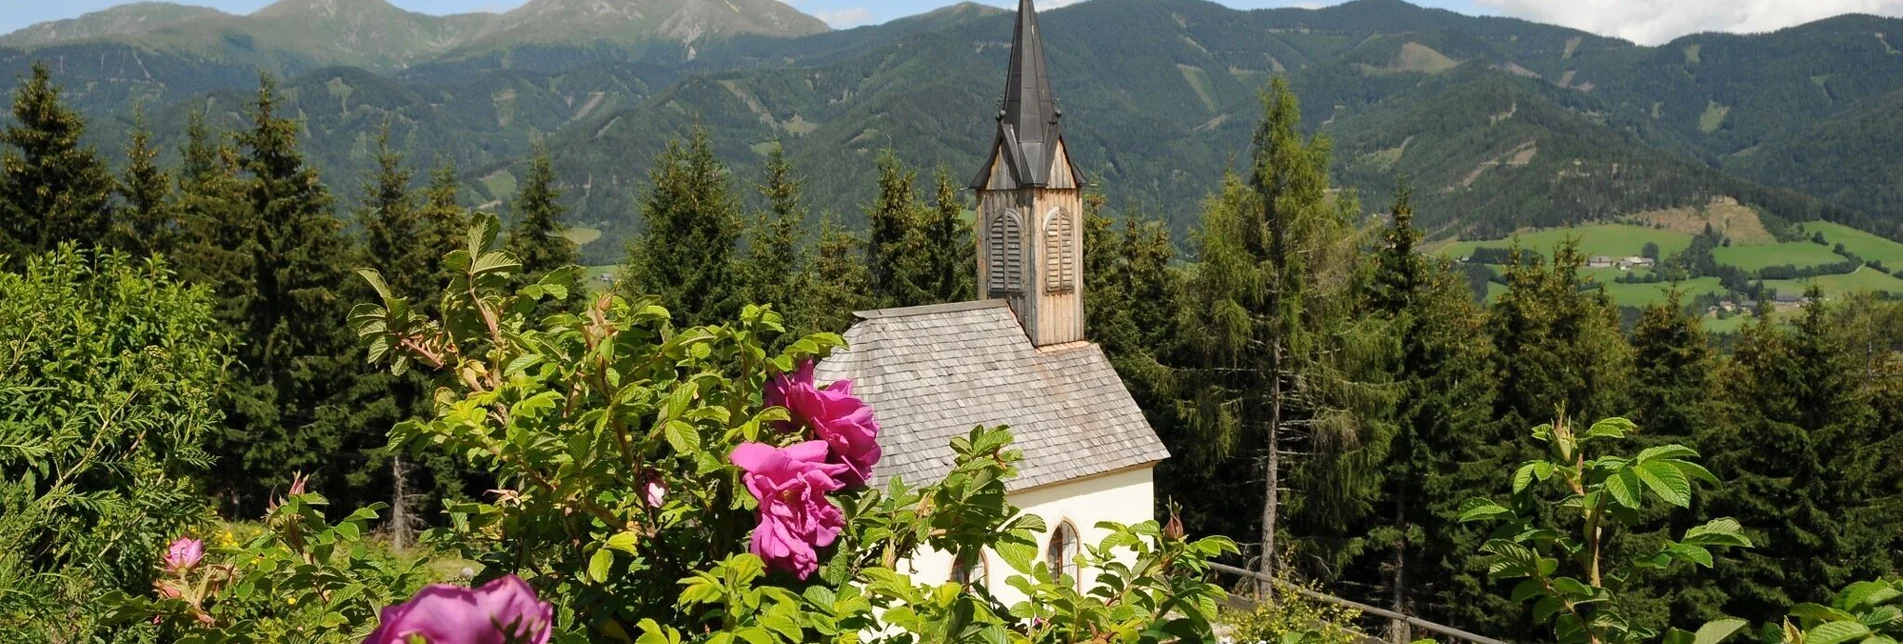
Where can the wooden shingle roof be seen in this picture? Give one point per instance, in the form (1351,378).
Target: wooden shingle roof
(933,373)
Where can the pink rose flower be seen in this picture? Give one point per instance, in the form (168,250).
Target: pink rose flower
(795,517)
(654,490)
(184,553)
(836,416)
(504,611)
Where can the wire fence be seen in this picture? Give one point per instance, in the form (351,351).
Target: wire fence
(1365,609)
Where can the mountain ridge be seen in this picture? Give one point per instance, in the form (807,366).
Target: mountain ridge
(1530,124)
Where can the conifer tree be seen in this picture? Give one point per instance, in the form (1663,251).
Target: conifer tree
(1558,343)
(838,279)
(1281,359)
(219,235)
(953,272)
(1443,450)
(895,237)
(774,265)
(53,186)
(444,223)
(392,226)
(148,223)
(535,238)
(285,417)
(686,254)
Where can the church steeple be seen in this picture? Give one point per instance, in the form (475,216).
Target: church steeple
(1029,240)
(1030,124)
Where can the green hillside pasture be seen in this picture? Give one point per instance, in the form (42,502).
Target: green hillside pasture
(593,277)
(1865,280)
(582,235)
(1755,258)
(1870,247)
(1643,295)
(1609,240)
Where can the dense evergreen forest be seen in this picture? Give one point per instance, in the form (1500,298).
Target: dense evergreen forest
(1332,395)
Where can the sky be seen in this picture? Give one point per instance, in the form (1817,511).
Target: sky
(1647,22)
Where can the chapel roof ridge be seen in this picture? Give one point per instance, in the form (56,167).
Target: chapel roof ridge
(929,309)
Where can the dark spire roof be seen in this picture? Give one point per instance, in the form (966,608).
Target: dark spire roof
(1028,120)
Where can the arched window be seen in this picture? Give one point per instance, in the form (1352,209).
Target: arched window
(1063,552)
(970,568)
(1005,252)
(1060,255)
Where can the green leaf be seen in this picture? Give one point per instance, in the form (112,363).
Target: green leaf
(1718,532)
(599,563)
(1821,613)
(1522,478)
(1666,481)
(1017,551)
(1610,428)
(1835,633)
(623,541)
(1866,594)
(1624,488)
(1483,510)
(1694,554)
(1666,452)
(1718,630)
(682,436)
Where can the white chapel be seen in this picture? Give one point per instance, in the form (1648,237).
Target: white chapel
(1018,357)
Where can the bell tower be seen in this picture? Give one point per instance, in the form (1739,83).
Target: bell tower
(1029,224)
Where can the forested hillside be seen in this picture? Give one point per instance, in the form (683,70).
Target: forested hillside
(1504,123)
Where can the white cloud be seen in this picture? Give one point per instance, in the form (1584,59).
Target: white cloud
(1652,22)
(845,18)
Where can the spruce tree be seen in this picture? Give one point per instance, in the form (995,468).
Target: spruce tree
(953,271)
(444,225)
(774,266)
(294,348)
(148,223)
(535,238)
(1281,359)
(896,255)
(53,187)
(392,225)
(686,254)
(1443,450)
(1559,346)
(839,282)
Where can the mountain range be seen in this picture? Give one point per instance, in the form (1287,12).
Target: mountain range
(1500,124)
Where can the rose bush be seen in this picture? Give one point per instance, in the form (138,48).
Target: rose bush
(659,485)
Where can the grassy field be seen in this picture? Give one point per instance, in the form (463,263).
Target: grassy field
(582,236)
(593,276)
(1754,258)
(1870,247)
(501,184)
(1650,294)
(1610,240)
(1866,279)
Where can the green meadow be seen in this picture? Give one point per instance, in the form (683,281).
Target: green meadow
(1610,240)
(1754,258)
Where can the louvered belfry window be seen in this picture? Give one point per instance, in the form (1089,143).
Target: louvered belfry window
(1005,251)
(1060,258)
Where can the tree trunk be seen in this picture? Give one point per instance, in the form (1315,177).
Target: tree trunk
(1272,475)
(1398,630)
(399,509)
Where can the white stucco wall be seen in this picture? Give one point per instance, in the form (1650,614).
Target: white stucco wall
(1126,497)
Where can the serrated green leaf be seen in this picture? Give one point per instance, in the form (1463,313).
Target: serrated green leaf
(1821,613)
(681,436)
(1835,633)
(1718,630)
(599,563)
(1624,488)
(1610,428)
(1665,481)
(622,541)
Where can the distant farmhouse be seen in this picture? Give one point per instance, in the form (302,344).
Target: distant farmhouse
(1017,357)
